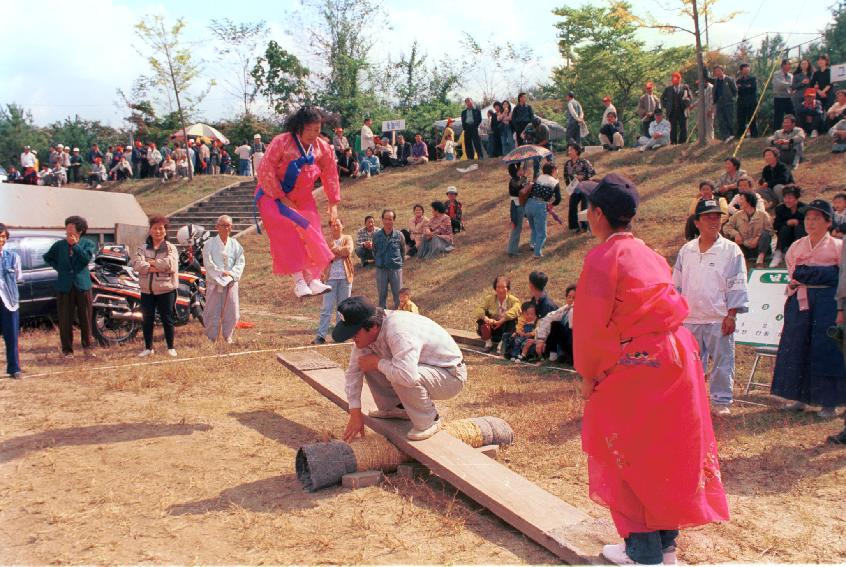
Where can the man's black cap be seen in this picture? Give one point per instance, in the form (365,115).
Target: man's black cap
(615,195)
(822,206)
(706,206)
(353,312)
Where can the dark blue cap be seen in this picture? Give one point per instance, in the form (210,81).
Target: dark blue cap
(353,312)
(615,195)
(822,206)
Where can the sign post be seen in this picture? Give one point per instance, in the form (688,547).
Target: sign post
(393,126)
(761,326)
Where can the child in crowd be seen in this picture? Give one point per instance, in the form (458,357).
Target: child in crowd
(838,224)
(453,207)
(449,149)
(524,337)
(405,303)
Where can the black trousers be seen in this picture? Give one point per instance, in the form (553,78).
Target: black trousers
(781,106)
(678,129)
(578,202)
(787,235)
(560,340)
(473,143)
(164,303)
(744,117)
(74,304)
(498,334)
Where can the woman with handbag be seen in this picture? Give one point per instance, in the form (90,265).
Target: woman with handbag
(576,169)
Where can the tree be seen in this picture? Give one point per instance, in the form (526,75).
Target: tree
(834,36)
(281,78)
(236,45)
(173,71)
(495,65)
(16,131)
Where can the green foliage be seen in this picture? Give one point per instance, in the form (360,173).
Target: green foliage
(242,128)
(16,131)
(834,36)
(281,78)
(82,133)
(236,45)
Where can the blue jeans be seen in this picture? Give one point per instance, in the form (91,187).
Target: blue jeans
(535,211)
(10,327)
(719,348)
(384,278)
(507,136)
(341,290)
(517,214)
(244,167)
(648,548)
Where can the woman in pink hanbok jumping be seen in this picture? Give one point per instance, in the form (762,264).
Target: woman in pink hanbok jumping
(293,162)
(652,457)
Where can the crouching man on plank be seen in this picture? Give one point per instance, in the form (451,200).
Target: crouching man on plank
(408,361)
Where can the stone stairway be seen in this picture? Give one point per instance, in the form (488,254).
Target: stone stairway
(237,202)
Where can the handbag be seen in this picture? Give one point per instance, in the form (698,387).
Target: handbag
(525,193)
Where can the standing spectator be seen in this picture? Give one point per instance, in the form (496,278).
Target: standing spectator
(675,101)
(369,164)
(802,76)
(28,166)
(75,167)
(157,265)
(347,164)
(389,254)
(367,140)
(809,368)
(243,153)
(575,120)
(810,114)
(837,112)
(193,157)
(506,133)
(223,258)
(136,159)
(364,241)
(710,273)
(747,100)
(257,152)
(419,151)
(750,229)
(727,182)
(70,258)
(168,169)
(710,111)
(225,161)
(660,133)
(448,134)
(10,274)
(576,170)
(537,133)
(646,107)
(496,317)
(516,183)
(774,176)
(340,142)
(495,131)
(437,236)
(554,335)
(521,116)
(453,207)
(545,191)
(108,159)
(611,133)
(724,93)
(789,222)
(790,141)
(154,158)
(782,102)
(821,81)
(205,157)
(838,137)
(214,157)
(471,119)
(338,275)
(94,153)
(97,175)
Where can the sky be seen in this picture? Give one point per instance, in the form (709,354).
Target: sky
(73,61)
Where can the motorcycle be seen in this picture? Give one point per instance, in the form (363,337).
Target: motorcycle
(192,274)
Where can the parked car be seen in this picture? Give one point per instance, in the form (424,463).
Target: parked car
(37,290)
(4,175)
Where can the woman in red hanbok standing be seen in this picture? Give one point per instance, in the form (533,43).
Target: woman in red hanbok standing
(652,457)
(286,176)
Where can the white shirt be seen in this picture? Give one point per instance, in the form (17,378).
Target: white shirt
(713,281)
(5,293)
(367,138)
(608,109)
(27,160)
(243,152)
(405,340)
(563,315)
(219,258)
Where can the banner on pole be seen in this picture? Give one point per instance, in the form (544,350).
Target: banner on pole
(393,125)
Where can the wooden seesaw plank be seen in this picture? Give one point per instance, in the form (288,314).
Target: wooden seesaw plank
(564,530)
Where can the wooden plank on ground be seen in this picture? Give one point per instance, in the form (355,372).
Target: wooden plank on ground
(564,530)
(466,337)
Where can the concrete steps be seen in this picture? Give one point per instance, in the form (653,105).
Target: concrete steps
(237,202)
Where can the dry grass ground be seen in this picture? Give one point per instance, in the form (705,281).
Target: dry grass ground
(192,462)
(165,198)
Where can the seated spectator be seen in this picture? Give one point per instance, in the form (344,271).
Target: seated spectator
(347,164)
(416,226)
(751,229)
(45,176)
(838,137)
(339,143)
(537,287)
(727,183)
(58,175)
(789,223)
(810,114)
(121,171)
(453,206)
(837,112)
(419,151)
(13,175)
(611,133)
(790,141)
(555,331)
(369,163)
(706,193)
(745,186)
(405,303)
(437,235)
(522,340)
(385,153)
(168,169)
(402,152)
(659,133)
(364,241)
(838,221)
(97,175)
(497,316)
(774,176)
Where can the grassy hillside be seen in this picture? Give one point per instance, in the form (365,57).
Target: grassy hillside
(157,197)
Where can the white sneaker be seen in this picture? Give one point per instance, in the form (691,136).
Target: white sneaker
(421,434)
(794,406)
(616,554)
(778,257)
(393,413)
(171,352)
(145,353)
(301,289)
(670,558)
(640,149)
(720,410)
(230,341)
(814,134)
(729,140)
(553,356)
(98,186)
(317,287)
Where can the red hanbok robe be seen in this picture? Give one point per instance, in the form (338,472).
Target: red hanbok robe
(293,248)
(652,456)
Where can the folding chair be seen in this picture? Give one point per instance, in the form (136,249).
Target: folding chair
(760,353)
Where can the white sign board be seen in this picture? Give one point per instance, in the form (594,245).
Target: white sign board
(393,125)
(761,326)
(838,73)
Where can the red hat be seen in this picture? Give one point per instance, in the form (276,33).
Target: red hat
(138,143)
(606,99)
(649,84)
(810,92)
(676,74)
